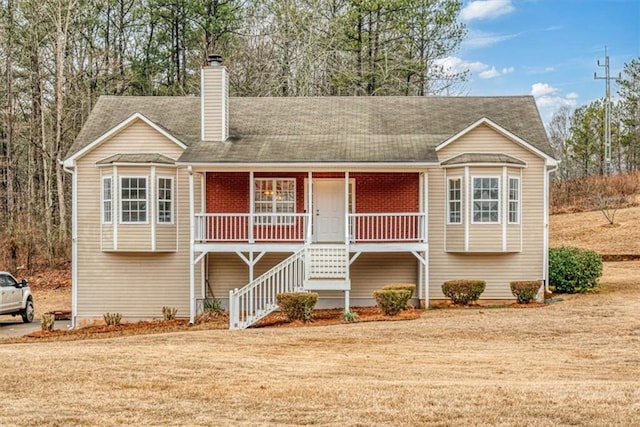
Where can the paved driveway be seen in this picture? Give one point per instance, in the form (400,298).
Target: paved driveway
(15,327)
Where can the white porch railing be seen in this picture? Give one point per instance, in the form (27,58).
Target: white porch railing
(254,301)
(387,227)
(245,227)
(265,227)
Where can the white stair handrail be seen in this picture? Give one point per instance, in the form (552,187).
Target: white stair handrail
(257,299)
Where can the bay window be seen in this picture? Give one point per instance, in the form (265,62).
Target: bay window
(133,199)
(486,200)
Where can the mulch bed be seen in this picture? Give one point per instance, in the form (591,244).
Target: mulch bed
(334,317)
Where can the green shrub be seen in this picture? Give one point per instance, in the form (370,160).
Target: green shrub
(169,313)
(212,307)
(525,291)
(112,319)
(297,305)
(350,316)
(47,320)
(408,286)
(463,291)
(574,270)
(392,301)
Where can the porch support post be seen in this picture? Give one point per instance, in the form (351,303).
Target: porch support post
(192,273)
(346,302)
(251,206)
(425,206)
(426,278)
(346,207)
(423,276)
(310,216)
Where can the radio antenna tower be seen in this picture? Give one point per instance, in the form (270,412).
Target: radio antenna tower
(608,169)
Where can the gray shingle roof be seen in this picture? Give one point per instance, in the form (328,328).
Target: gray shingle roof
(137,158)
(483,158)
(323,129)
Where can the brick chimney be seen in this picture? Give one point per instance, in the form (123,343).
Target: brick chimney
(214,100)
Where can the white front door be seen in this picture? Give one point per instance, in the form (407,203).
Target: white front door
(328,210)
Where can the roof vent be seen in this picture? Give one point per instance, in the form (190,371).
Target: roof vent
(214,60)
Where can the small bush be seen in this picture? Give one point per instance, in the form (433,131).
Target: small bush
(463,291)
(408,286)
(169,313)
(47,320)
(350,316)
(212,307)
(525,291)
(574,270)
(297,305)
(112,319)
(392,301)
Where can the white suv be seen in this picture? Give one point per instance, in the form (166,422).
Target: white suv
(15,297)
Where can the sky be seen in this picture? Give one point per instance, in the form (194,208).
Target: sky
(546,48)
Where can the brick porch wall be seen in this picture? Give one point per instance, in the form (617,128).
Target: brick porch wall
(228,192)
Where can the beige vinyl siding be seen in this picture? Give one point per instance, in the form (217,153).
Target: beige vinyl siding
(166,237)
(131,283)
(214,104)
(107,237)
(454,232)
(166,233)
(497,269)
(369,272)
(228,271)
(372,271)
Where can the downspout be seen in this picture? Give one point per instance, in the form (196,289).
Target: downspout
(192,279)
(545,257)
(74,244)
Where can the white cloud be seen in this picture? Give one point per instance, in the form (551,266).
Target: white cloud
(549,69)
(478,39)
(542,89)
(486,9)
(489,74)
(549,99)
(453,65)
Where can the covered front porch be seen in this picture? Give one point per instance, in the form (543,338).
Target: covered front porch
(325,220)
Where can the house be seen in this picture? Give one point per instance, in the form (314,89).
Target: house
(180,199)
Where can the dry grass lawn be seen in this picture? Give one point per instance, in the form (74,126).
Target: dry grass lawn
(591,230)
(571,363)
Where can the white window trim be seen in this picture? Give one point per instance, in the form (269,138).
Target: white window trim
(171,200)
(518,200)
(288,221)
(146,178)
(103,200)
(460,200)
(472,199)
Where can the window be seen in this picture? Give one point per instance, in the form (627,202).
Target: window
(133,199)
(107,200)
(514,200)
(165,200)
(275,196)
(486,199)
(454,203)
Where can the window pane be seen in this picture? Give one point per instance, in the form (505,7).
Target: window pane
(486,194)
(133,196)
(514,200)
(454,205)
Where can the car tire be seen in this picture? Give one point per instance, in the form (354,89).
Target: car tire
(28,312)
